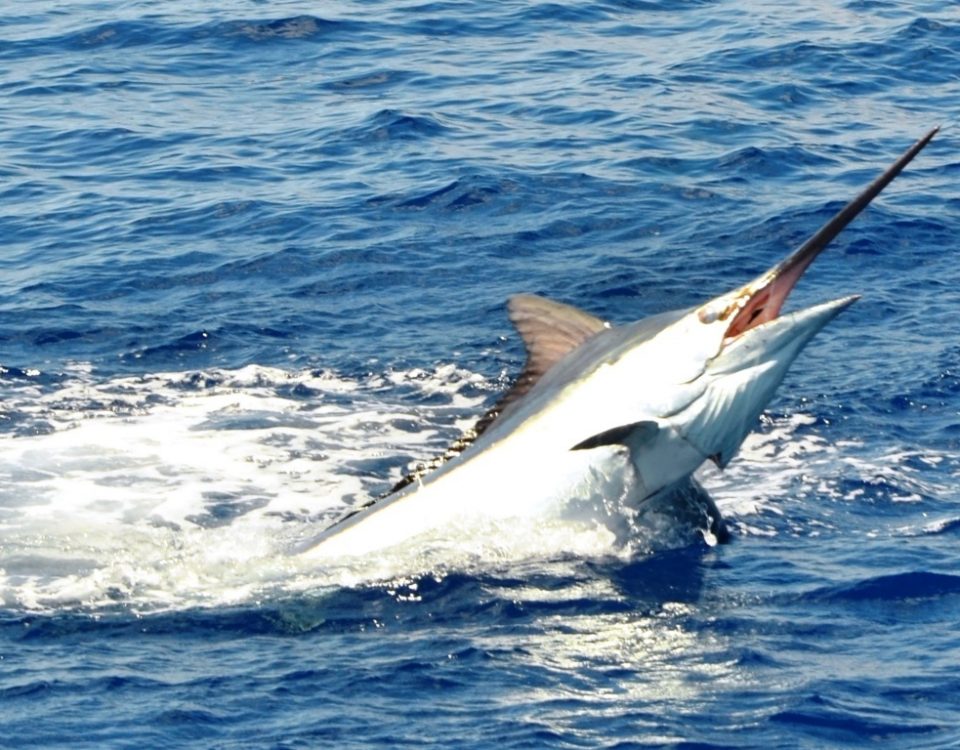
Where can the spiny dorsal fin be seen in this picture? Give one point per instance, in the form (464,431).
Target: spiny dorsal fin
(550,330)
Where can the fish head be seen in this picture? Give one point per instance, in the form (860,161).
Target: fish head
(749,345)
(753,347)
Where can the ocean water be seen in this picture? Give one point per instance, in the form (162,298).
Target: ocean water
(253,265)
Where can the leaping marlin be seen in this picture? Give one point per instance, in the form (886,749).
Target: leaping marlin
(631,410)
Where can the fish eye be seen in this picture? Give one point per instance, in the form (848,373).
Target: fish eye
(718,310)
(709,315)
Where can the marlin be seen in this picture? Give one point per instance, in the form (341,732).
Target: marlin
(617,413)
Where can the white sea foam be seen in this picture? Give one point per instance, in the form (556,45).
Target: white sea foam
(188,489)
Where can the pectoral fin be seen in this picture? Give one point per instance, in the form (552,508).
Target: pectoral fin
(636,432)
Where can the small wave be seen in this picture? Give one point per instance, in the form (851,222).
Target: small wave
(834,722)
(117,34)
(462,193)
(370,81)
(771,163)
(138,33)
(559,13)
(295,27)
(394,125)
(922,50)
(897,587)
(944,526)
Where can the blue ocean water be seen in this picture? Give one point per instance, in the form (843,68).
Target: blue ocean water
(253,261)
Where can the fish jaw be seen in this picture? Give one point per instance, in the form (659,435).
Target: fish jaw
(742,379)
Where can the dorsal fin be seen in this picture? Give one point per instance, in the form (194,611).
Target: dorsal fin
(549,331)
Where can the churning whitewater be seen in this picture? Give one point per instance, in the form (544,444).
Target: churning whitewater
(197,489)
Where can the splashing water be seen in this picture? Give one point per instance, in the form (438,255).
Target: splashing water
(187,489)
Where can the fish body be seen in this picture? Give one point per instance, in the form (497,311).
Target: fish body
(626,412)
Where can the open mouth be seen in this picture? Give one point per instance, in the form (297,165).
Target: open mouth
(764,304)
(763,299)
